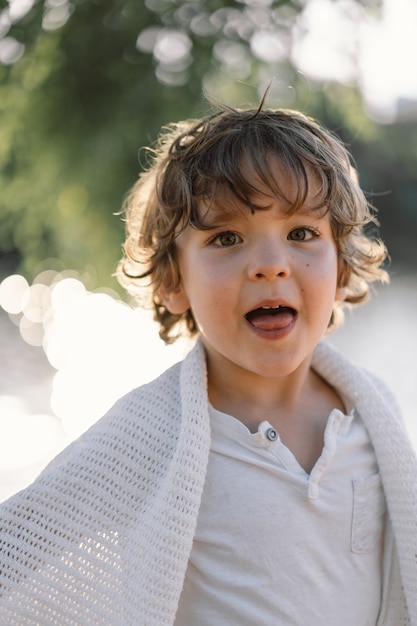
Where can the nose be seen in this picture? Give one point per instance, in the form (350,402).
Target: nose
(268,261)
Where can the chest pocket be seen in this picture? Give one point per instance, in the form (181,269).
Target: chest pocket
(368,514)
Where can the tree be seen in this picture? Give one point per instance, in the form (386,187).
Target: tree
(85,84)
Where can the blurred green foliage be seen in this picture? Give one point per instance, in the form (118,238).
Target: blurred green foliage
(84,84)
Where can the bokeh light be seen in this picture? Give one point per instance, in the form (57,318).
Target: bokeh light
(100,347)
(343,41)
(14,293)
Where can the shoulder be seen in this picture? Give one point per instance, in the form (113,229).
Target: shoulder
(350,378)
(165,390)
(159,392)
(147,416)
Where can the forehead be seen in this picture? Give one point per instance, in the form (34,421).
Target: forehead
(256,187)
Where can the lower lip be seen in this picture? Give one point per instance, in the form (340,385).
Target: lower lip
(274,333)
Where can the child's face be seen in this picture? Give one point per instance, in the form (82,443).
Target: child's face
(261,285)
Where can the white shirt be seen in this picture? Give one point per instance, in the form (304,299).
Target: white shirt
(277,546)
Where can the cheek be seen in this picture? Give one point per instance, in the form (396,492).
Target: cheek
(207,296)
(321,277)
(323,261)
(211,294)
(205,275)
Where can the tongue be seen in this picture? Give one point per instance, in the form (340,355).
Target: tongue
(271,321)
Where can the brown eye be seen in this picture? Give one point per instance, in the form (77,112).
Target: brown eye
(227,239)
(299,234)
(303,234)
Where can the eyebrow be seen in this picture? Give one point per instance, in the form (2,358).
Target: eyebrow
(313,210)
(215,215)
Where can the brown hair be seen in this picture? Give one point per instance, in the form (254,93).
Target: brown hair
(195,158)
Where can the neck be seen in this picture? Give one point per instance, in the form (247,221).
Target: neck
(252,398)
(300,395)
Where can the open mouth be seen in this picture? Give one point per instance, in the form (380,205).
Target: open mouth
(271,317)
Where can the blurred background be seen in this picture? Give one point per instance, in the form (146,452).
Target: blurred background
(84,85)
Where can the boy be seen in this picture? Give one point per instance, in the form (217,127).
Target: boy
(265,479)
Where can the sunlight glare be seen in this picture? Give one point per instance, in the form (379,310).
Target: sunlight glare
(27,443)
(388,52)
(101,348)
(324,40)
(341,41)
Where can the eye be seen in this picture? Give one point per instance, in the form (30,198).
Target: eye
(226,239)
(304,233)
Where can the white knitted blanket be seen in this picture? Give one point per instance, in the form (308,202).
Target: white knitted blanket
(103,536)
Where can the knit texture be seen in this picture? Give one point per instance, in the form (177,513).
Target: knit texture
(104,535)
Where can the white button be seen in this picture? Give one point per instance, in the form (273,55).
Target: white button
(271,434)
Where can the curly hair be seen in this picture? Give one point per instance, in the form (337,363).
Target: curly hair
(195,159)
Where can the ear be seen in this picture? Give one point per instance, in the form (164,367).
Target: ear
(340,294)
(175,300)
(343,274)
